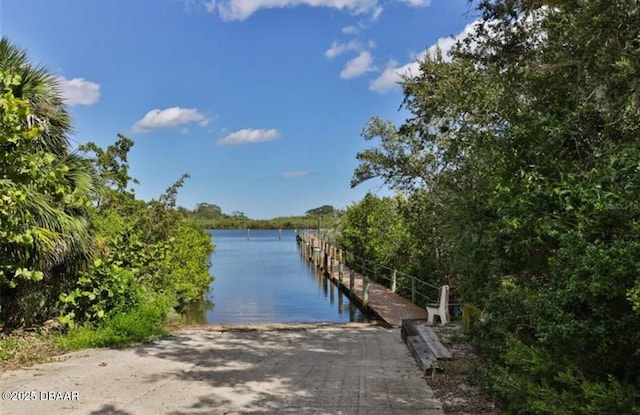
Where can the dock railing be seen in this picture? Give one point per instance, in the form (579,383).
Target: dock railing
(330,258)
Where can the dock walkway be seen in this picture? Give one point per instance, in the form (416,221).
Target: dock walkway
(388,306)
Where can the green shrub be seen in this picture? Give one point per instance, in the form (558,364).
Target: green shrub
(185,264)
(105,289)
(537,381)
(142,247)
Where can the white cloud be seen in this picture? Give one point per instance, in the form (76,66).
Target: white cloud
(294,174)
(417,3)
(392,75)
(350,30)
(249,135)
(210,6)
(169,118)
(340,48)
(377,11)
(242,9)
(362,64)
(78,91)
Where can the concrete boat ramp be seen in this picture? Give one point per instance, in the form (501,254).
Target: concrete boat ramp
(259,369)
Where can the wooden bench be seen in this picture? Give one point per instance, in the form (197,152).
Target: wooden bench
(441,309)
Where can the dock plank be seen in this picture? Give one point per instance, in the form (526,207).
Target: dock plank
(389,307)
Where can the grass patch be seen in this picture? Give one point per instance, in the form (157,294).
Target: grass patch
(24,349)
(140,325)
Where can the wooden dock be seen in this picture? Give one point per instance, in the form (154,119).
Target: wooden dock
(386,305)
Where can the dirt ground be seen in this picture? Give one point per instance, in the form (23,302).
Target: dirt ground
(282,369)
(457,385)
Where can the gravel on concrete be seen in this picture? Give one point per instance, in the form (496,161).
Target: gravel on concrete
(261,369)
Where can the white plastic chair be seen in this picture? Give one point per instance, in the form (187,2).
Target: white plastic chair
(441,309)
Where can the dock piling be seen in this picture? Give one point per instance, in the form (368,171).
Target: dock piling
(351,282)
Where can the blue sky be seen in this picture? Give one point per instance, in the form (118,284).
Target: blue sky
(262,102)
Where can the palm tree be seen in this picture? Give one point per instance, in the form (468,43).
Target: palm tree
(63,241)
(41,89)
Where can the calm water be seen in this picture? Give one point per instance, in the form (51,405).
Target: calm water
(265,280)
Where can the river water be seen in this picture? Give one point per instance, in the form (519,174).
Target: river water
(264,279)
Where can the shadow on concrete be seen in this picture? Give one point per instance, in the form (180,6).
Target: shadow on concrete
(349,368)
(109,410)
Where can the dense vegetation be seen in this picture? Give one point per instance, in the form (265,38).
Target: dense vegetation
(519,175)
(75,244)
(210,216)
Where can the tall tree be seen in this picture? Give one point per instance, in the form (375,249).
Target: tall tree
(207,211)
(40,88)
(322,210)
(46,189)
(526,141)
(112,165)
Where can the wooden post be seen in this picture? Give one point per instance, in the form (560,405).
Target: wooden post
(312,242)
(332,296)
(279,233)
(365,291)
(393,281)
(340,270)
(351,282)
(326,256)
(364,266)
(330,261)
(248,234)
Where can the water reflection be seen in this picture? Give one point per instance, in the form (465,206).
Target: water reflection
(266,279)
(196,313)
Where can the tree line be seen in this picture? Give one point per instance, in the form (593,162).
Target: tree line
(76,245)
(210,216)
(517,178)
